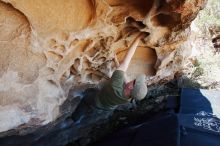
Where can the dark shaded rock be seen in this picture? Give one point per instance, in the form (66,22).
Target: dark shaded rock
(93,127)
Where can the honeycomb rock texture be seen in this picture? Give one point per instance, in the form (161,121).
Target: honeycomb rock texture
(48,47)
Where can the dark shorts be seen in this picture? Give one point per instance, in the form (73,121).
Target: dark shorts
(87,108)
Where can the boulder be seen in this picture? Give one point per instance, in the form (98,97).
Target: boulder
(51,47)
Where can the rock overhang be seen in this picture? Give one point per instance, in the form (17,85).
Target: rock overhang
(49,47)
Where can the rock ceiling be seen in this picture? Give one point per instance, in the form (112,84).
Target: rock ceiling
(50,46)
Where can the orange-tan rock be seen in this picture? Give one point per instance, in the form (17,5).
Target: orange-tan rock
(48,47)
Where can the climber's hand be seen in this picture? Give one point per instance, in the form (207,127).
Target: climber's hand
(141,36)
(144,35)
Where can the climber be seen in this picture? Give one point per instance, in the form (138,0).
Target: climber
(116,91)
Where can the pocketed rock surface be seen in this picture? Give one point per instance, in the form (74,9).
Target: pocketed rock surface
(48,47)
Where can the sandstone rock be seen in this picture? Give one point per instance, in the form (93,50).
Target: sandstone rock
(48,47)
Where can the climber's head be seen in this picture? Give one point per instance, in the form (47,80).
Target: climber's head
(136,89)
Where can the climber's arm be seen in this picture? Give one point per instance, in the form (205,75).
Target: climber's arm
(131,50)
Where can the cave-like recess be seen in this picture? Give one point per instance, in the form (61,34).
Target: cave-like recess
(51,47)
